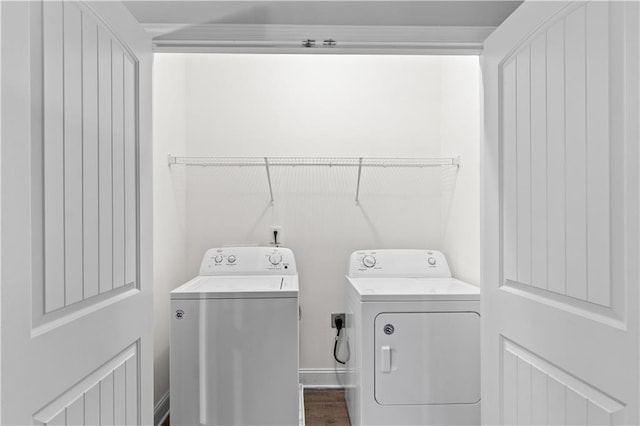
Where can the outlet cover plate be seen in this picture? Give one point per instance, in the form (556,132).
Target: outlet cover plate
(334,316)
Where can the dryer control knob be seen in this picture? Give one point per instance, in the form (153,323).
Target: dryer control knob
(369,261)
(218,258)
(275,258)
(231,259)
(432,261)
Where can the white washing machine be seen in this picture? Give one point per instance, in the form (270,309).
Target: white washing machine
(234,340)
(414,338)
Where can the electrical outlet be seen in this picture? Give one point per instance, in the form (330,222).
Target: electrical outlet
(278,229)
(334,317)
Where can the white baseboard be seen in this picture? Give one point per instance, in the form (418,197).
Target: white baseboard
(323,377)
(161,410)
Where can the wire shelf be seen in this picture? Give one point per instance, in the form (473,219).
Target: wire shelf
(355,162)
(314,161)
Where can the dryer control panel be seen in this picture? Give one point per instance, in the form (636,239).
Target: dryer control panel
(398,263)
(248,261)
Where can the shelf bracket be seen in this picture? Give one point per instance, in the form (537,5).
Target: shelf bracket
(358,184)
(266,164)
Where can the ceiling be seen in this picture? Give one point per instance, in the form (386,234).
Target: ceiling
(370,27)
(386,13)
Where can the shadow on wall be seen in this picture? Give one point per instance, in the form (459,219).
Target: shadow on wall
(315,206)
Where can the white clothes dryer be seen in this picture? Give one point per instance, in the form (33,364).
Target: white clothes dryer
(234,340)
(414,338)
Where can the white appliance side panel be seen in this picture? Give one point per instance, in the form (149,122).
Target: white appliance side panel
(234,362)
(427,358)
(353,333)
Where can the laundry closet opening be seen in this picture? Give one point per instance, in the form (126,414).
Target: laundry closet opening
(312,109)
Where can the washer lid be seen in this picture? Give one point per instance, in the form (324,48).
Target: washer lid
(238,287)
(413,289)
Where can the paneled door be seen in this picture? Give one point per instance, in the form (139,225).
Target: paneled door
(560,219)
(76,205)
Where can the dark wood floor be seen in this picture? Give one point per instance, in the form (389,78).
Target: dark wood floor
(321,407)
(325,407)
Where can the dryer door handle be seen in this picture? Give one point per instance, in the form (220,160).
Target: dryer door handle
(385,359)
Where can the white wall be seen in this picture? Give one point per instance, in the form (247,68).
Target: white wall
(320,106)
(169,204)
(461,136)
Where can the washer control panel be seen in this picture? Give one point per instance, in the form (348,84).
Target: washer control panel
(248,261)
(398,263)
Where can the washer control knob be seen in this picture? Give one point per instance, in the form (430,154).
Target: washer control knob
(218,258)
(231,259)
(275,258)
(369,261)
(432,261)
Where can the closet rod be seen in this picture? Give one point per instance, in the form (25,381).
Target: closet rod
(358,162)
(268,162)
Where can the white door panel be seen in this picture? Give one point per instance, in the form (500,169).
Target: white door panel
(535,390)
(560,330)
(70,94)
(76,215)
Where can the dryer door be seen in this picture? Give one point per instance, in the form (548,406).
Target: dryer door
(427,358)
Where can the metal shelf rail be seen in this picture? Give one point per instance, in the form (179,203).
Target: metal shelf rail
(355,162)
